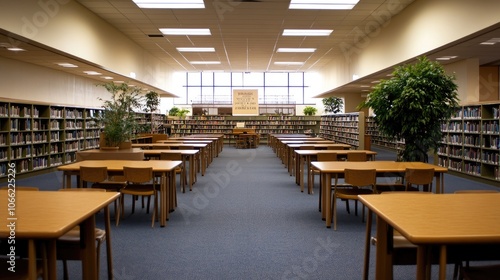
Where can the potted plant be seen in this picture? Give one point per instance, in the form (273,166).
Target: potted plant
(333,104)
(310,111)
(176,112)
(117,118)
(412,105)
(152,102)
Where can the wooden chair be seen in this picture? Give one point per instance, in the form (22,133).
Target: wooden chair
(356,181)
(241,142)
(140,182)
(181,169)
(416,177)
(69,247)
(98,176)
(357,156)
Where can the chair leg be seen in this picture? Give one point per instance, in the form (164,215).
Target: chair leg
(65,270)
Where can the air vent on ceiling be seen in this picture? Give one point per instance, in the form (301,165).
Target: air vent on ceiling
(155,35)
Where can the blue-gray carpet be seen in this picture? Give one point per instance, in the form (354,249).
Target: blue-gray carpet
(245,219)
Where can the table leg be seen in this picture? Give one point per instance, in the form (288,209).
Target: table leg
(109,255)
(421,262)
(163,199)
(300,170)
(51,259)
(442,262)
(87,235)
(327,201)
(383,266)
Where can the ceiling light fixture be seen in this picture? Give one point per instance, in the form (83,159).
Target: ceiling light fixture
(288,63)
(322,4)
(170,4)
(296,50)
(92,73)
(446,57)
(15,49)
(205,62)
(307,32)
(185,31)
(67,65)
(491,41)
(196,49)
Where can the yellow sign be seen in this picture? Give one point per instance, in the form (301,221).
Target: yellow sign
(245,102)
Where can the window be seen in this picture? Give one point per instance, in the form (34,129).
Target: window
(274,88)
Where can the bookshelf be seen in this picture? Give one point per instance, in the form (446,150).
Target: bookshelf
(471,141)
(36,136)
(263,125)
(344,128)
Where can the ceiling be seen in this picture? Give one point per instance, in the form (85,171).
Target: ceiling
(245,35)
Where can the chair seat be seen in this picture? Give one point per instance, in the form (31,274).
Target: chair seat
(74,235)
(138,190)
(351,193)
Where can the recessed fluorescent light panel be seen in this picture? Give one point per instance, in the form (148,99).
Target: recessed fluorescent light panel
(446,57)
(14,49)
(323,4)
(491,41)
(170,4)
(107,78)
(196,49)
(288,63)
(205,62)
(93,73)
(296,50)
(307,32)
(67,65)
(185,31)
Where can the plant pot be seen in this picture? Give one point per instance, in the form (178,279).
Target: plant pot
(109,148)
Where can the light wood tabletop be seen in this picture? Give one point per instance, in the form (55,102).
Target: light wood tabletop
(336,168)
(425,220)
(46,215)
(164,168)
(304,157)
(187,156)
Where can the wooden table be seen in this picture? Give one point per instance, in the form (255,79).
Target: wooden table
(290,149)
(432,220)
(163,168)
(205,157)
(303,159)
(45,216)
(336,168)
(187,156)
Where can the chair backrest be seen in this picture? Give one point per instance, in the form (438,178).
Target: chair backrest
(420,177)
(326,157)
(170,156)
(21,188)
(93,174)
(360,177)
(138,175)
(334,148)
(357,156)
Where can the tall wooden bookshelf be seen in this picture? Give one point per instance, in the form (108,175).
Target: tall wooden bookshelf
(263,125)
(471,141)
(35,136)
(344,128)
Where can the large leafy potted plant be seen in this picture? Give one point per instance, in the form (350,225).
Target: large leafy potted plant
(118,119)
(152,102)
(412,105)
